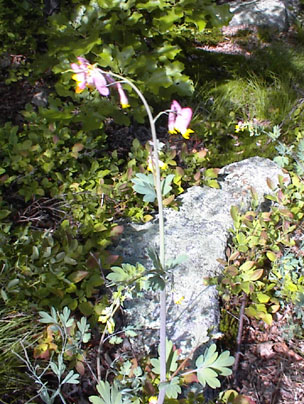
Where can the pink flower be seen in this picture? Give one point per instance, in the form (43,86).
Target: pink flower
(87,75)
(179,120)
(122,95)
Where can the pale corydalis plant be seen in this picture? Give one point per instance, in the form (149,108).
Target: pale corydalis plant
(90,76)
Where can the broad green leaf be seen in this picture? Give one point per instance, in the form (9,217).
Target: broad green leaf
(69,260)
(78,276)
(262,297)
(77,147)
(165,22)
(115,340)
(108,394)
(130,333)
(209,357)
(11,284)
(210,365)
(173,388)
(172,263)
(144,184)
(35,254)
(171,359)
(167,51)
(4,295)
(96,400)
(125,56)
(166,184)
(4,213)
(151,5)
(255,275)
(213,184)
(251,312)
(247,265)
(208,376)
(212,173)
(158,79)
(271,256)
(47,318)
(198,21)
(86,308)
(126,273)
(223,362)
(245,287)
(241,238)
(267,317)
(234,211)
(117,275)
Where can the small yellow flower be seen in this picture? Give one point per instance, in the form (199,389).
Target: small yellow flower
(153,400)
(162,165)
(180,300)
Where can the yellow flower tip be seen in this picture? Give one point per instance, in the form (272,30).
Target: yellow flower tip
(172,132)
(125,105)
(153,400)
(186,134)
(78,90)
(162,165)
(180,300)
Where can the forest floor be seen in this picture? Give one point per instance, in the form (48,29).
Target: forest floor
(271,368)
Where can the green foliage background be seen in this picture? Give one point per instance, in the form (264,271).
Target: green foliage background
(66,170)
(64,182)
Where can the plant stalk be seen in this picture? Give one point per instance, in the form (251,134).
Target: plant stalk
(163,310)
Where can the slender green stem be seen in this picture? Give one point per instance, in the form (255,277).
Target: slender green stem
(160,114)
(163,311)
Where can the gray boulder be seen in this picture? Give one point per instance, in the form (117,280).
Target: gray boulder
(40,98)
(277,14)
(199,230)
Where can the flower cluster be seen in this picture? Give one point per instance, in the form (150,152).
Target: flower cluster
(179,120)
(87,75)
(151,158)
(241,126)
(253,126)
(151,164)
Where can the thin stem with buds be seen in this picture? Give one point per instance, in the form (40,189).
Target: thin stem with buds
(163,311)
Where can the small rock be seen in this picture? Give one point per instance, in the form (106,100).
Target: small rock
(274,14)
(40,99)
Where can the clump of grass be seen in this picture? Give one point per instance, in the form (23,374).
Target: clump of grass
(266,87)
(253,97)
(14,326)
